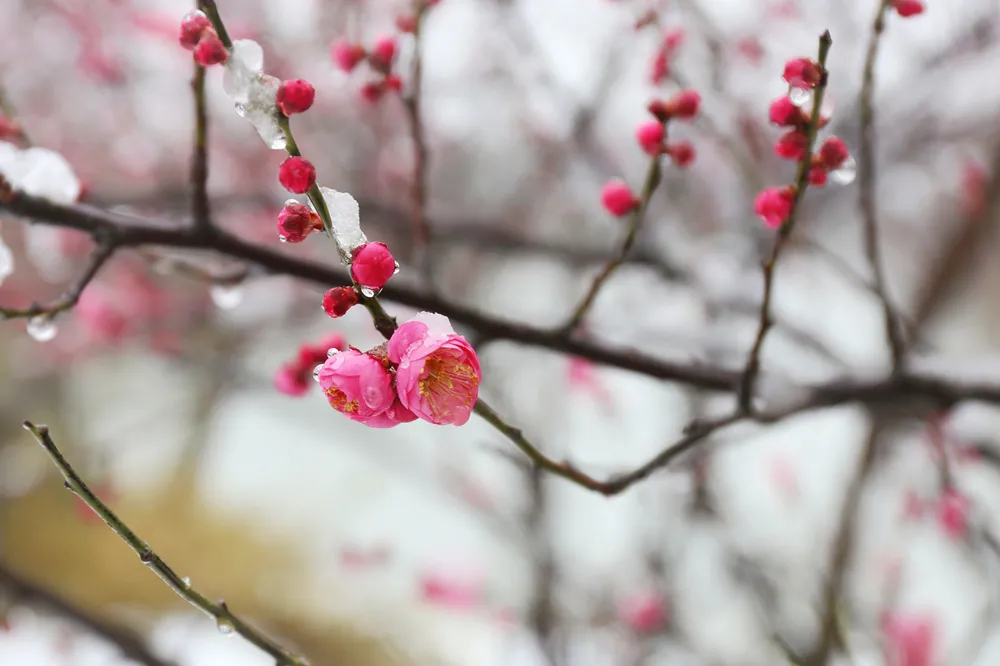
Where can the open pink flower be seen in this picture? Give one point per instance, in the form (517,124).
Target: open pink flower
(356,385)
(438,375)
(909,639)
(392,417)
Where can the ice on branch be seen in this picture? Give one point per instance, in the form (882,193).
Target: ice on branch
(253,92)
(6,261)
(345,216)
(39,172)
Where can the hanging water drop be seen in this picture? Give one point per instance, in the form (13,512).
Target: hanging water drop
(316,372)
(396,270)
(368,292)
(187,583)
(225,627)
(331,352)
(291,202)
(42,328)
(800,96)
(282,238)
(227,296)
(847,172)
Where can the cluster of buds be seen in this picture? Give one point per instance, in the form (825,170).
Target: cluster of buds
(616,196)
(198,35)
(372,264)
(381,58)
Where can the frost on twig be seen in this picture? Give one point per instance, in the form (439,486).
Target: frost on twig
(345,218)
(39,172)
(253,92)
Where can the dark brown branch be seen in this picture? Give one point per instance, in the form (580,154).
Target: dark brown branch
(866,188)
(200,211)
(752,368)
(29,593)
(414,119)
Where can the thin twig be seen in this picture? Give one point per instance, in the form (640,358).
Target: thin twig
(866,188)
(225,618)
(634,224)
(27,592)
(752,368)
(200,211)
(100,256)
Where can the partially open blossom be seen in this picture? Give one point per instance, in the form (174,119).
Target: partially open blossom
(391,417)
(953,513)
(650,136)
(210,50)
(682,153)
(346,55)
(907,8)
(384,51)
(356,385)
(784,113)
(296,221)
(774,205)
(833,153)
(908,639)
(438,372)
(644,612)
(192,26)
(295,96)
(297,175)
(802,73)
(684,105)
(339,300)
(792,145)
(617,198)
(372,265)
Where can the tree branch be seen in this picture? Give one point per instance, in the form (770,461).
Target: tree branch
(226,619)
(200,211)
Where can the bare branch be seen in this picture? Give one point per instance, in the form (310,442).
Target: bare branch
(225,618)
(200,211)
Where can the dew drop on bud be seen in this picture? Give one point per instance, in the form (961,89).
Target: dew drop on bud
(847,172)
(316,372)
(368,292)
(42,328)
(241,110)
(291,202)
(283,238)
(192,14)
(331,352)
(396,271)
(800,96)
(225,627)
(227,296)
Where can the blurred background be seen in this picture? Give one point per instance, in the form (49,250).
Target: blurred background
(440,545)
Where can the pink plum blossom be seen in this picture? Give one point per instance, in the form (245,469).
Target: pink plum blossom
(357,385)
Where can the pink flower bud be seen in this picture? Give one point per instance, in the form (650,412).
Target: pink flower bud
(907,8)
(617,198)
(192,26)
(290,380)
(339,300)
(296,221)
(774,205)
(833,153)
(384,51)
(792,145)
(356,385)
(297,175)
(682,153)
(373,265)
(393,82)
(372,92)
(210,50)
(684,105)
(644,612)
(295,96)
(817,175)
(406,23)
(438,372)
(784,113)
(347,55)
(650,136)
(953,513)
(802,73)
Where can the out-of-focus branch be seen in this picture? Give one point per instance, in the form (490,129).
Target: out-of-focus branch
(866,187)
(227,621)
(634,224)
(752,368)
(414,118)
(29,593)
(100,256)
(200,211)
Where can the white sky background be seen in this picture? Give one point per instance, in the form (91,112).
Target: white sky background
(300,469)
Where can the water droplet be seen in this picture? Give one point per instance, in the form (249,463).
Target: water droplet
(290,202)
(800,96)
(283,238)
(42,328)
(227,296)
(187,582)
(847,172)
(333,351)
(368,292)
(397,269)
(192,14)
(241,109)
(225,627)
(316,372)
